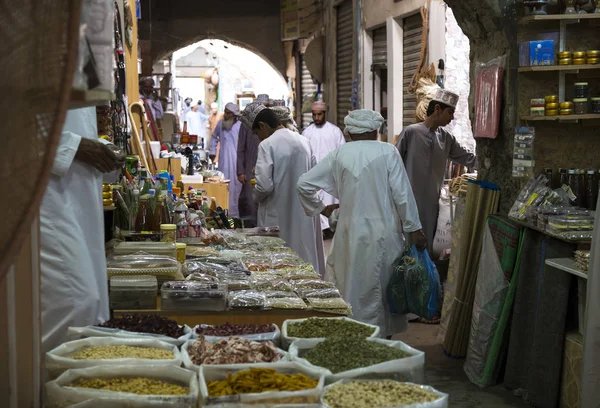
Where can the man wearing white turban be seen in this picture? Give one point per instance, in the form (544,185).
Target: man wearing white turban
(425,149)
(324,137)
(226,135)
(376,207)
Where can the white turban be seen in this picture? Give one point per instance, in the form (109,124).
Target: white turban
(362,121)
(233,108)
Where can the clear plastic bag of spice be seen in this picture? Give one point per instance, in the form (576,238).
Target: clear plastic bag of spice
(61,394)
(409,368)
(59,359)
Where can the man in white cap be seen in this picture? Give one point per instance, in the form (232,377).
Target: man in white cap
(283,156)
(324,137)
(425,149)
(226,135)
(376,207)
(214,118)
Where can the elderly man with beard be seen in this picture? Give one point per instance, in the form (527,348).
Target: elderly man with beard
(150,98)
(226,135)
(324,137)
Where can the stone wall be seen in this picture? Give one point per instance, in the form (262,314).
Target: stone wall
(457,79)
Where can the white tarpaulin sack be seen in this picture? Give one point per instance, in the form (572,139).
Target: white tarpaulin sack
(75,333)
(189,364)
(120,403)
(210,373)
(286,340)
(273,336)
(61,394)
(443,232)
(442,402)
(58,360)
(408,369)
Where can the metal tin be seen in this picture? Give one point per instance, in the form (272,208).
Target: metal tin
(107,202)
(106,187)
(107,195)
(537,102)
(592,61)
(552,106)
(565,112)
(579,61)
(593,54)
(537,111)
(564,54)
(551,112)
(551,98)
(579,54)
(565,61)
(566,105)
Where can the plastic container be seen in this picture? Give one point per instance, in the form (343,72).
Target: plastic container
(168,233)
(133,292)
(537,103)
(188,295)
(181,249)
(596,104)
(153,248)
(580,106)
(581,90)
(537,111)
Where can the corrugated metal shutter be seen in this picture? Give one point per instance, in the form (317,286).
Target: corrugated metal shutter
(413,30)
(344,60)
(308,90)
(380,48)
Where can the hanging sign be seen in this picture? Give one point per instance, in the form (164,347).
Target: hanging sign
(300,18)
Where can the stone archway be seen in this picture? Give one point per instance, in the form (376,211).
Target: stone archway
(254,25)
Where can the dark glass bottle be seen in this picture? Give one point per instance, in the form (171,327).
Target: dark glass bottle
(562,177)
(548,173)
(591,196)
(572,183)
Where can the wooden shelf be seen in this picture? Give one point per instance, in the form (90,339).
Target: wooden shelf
(566,265)
(91,97)
(559,17)
(563,118)
(548,68)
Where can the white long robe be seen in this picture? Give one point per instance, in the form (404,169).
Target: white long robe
(196,124)
(282,159)
(74,288)
(591,350)
(324,140)
(376,205)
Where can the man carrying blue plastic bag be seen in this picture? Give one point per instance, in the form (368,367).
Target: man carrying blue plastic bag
(376,208)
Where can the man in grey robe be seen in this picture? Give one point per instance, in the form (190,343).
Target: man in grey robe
(247,153)
(425,149)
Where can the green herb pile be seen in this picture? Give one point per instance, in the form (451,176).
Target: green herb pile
(338,354)
(319,328)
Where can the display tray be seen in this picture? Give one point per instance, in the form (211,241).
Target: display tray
(533,227)
(193,318)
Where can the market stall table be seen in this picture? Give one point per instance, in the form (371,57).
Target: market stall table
(193,318)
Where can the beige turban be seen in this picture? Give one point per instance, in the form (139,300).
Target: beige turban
(319,106)
(362,121)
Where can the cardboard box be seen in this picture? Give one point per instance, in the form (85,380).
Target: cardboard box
(536,53)
(570,387)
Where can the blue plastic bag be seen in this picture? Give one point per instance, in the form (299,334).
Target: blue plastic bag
(414,286)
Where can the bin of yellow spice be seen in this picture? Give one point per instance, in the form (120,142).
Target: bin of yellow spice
(168,384)
(265,383)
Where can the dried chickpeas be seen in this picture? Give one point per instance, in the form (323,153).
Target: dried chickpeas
(114,352)
(140,386)
(387,393)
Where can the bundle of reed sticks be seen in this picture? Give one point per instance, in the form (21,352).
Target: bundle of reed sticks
(458,186)
(482,200)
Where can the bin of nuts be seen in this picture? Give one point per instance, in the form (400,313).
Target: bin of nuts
(168,384)
(386,393)
(98,351)
(254,332)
